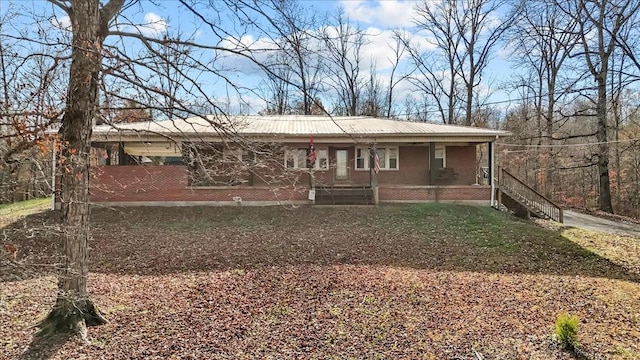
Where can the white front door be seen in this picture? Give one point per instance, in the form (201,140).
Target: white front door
(342,164)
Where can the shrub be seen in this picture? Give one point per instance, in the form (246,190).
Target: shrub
(567,331)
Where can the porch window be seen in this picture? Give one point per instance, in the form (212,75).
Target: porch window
(295,159)
(236,155)
(388,156)
(440,157)
(322,159)
(362,159)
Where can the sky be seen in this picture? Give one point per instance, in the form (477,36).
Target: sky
(378,17)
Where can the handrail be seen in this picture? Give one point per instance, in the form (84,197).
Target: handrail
(534,200)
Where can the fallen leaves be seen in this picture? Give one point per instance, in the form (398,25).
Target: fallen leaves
(320,283)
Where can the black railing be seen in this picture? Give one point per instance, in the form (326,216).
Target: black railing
(528,197)
(344,195)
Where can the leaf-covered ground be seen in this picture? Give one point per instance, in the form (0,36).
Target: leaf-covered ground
(388,282)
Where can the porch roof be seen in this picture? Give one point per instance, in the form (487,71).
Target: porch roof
(287,127)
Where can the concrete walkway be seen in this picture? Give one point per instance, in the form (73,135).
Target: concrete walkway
(584,221)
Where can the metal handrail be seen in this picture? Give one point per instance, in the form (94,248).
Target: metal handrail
(533,199)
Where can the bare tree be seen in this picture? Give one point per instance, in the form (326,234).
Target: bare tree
(438,72)
(543,40)
(105,66)
(373,99)
(90,25)
(344,51)
(30,77)
(464,33)
(278,82)
(288,26)
(600,27)
(399,50)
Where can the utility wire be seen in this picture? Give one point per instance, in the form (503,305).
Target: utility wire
(567,145)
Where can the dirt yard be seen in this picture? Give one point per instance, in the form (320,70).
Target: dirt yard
(388,282)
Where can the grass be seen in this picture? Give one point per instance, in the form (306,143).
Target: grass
(403,281)
(15,211)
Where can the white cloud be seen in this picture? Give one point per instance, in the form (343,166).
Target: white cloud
(153,25)
(62,23)
(384,13)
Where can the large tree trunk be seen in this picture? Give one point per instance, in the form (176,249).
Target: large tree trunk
(604,200)
(73,310)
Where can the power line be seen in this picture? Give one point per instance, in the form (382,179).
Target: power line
(568,145)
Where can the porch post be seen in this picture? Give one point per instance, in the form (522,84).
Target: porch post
(432,160)
(492,163)
(123,158)
(373,177)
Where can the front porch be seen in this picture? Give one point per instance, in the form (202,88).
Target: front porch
(169,185)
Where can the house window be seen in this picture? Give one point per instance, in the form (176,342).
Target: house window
(295,159)
(362,159)
(322,159)
(440,157)
(235,155)
(388,157)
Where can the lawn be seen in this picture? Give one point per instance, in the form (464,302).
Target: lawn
(425,281)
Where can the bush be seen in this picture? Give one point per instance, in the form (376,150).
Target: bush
(567,331)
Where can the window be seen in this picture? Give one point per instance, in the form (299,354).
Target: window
(388,157)
(215,165)
(362,158)
(234,155)
(297,159)
(322,159)
(440,157)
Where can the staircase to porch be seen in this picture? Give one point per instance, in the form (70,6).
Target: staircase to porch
(519,197)
(344,195)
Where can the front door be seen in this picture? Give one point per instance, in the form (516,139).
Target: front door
(342,162)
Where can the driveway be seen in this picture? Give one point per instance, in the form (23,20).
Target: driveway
(584,221)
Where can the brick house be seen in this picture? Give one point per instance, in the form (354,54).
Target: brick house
(265,160)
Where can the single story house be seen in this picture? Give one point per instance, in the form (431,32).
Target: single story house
(290,159)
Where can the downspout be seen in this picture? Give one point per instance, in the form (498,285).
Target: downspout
(492,159)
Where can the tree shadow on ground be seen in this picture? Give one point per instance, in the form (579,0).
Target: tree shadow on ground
(153,241)
(35,238)
(45,347)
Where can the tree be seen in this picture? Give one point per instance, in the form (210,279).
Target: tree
(600,28)
(28,106)
(97,64)
(544,38)
(438,73)
(344,51)
(90,21)
(373,99)
(464,33)
(278,83)
(398,49)
(288,26)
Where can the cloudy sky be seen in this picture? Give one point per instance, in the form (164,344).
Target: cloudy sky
(379,18)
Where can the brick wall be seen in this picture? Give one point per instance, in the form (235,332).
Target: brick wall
(463,160)
(139,183)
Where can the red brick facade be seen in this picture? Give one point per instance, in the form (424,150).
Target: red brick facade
(170,183)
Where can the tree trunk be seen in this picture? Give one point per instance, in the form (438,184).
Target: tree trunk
(604,200)
(73,310)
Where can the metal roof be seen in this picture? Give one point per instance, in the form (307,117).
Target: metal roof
(292,126)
